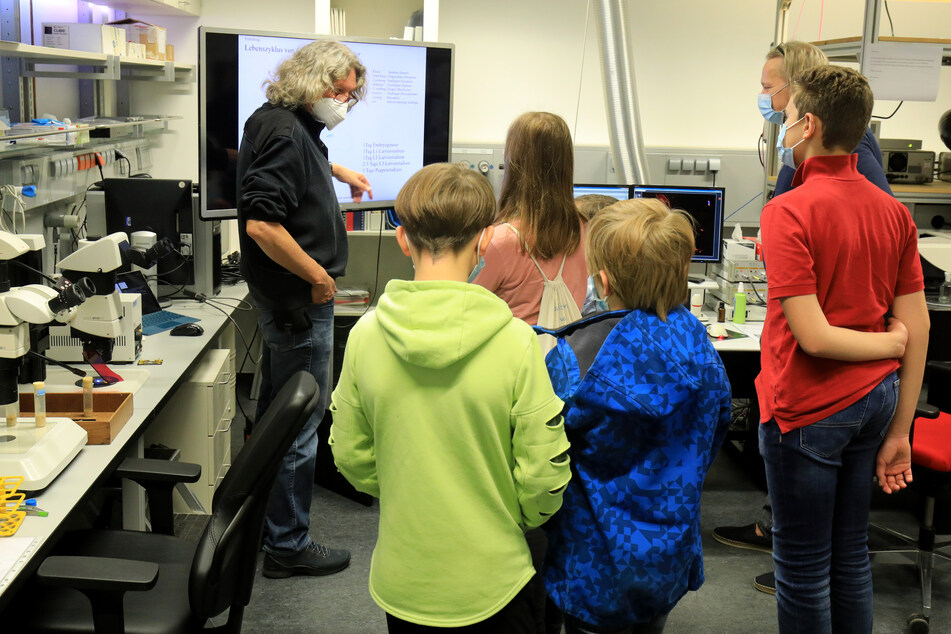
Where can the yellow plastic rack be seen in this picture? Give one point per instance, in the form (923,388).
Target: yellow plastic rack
(10,501)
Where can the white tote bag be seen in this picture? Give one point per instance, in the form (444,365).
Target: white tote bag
(558,307)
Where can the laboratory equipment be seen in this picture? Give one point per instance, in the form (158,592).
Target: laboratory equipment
(908,166)
(101,320)
(37,452)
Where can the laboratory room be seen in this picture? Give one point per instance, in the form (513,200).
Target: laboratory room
(680,359)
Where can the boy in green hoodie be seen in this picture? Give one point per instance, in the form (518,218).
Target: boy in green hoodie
(444,410)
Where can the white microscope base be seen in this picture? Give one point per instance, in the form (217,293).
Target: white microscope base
(39,454)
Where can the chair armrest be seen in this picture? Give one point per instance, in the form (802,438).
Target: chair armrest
(103,580)
(143,470)
(158,478)
(923,410)
(98,573)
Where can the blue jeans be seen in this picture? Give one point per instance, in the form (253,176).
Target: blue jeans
(820,482)
(285,352)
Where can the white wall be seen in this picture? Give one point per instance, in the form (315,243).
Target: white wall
(383,19)
(695,61)
(697,65)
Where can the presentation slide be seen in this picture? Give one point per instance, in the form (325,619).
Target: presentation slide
(382,136)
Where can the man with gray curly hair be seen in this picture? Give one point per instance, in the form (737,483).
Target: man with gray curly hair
(293,245)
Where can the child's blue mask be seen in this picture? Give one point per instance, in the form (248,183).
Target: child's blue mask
(786,153)
(600,302)
(481,264)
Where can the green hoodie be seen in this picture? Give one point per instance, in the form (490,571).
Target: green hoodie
(442,410)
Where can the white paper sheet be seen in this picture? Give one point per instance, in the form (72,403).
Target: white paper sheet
(899,71)
(13,555)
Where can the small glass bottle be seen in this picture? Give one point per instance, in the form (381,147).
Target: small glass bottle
(944,292)
(721,312)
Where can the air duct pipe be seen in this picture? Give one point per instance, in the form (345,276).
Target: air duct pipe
(620,94)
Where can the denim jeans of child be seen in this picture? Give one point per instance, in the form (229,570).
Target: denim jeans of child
(820,482)
(285,351)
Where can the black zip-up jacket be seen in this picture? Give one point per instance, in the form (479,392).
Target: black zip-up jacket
(284,176)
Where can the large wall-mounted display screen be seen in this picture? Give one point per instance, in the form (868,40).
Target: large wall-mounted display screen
(402,124)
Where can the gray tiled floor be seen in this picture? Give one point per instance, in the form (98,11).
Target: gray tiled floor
(727,602)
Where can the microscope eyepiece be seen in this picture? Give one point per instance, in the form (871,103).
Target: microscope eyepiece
(72,295)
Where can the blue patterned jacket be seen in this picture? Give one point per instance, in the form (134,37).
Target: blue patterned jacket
(647,406)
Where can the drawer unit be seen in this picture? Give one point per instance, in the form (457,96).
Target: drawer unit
(197,421)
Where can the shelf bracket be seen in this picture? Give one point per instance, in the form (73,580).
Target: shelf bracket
(870,30)
(109,70)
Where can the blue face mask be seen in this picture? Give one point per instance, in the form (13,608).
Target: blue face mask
(481,264)
(600,302)
(765,103)
(786,153)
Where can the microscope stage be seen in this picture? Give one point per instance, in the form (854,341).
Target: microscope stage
(39,453)
(59,380)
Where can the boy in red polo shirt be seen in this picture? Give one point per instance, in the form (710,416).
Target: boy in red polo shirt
(840,254)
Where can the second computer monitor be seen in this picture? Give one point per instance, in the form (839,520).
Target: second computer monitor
(704,204)
(621,192)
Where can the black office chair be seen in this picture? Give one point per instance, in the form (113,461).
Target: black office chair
(174,586)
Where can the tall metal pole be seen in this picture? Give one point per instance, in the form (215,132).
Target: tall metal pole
(620,94)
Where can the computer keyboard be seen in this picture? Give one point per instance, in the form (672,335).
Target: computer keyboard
(160,319)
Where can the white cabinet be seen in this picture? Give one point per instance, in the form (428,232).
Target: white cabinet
(197,421)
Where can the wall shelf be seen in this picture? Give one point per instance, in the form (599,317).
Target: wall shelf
(156,7)
(847,49)
(105,66)
(140,125)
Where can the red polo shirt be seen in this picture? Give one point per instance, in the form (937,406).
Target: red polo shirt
(839,237)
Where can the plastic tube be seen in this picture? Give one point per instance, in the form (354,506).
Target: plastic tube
(39,403)
(87,397)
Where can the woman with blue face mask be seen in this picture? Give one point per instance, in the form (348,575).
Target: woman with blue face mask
(783,62)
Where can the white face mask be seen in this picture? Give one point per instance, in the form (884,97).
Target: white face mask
(329,111)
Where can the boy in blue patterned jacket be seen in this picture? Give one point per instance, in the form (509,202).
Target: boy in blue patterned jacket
(647,405)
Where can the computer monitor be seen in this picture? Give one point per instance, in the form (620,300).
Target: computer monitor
(704,204)
(161,205)
(621,192)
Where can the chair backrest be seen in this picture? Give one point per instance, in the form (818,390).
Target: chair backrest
(222,573)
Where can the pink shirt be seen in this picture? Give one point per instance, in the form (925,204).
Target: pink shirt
(512,276)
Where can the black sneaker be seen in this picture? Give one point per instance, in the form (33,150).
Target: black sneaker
(743,537)
(315,560)
(766,582)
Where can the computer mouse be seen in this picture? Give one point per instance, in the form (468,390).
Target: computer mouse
(187,330)
(717,331)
